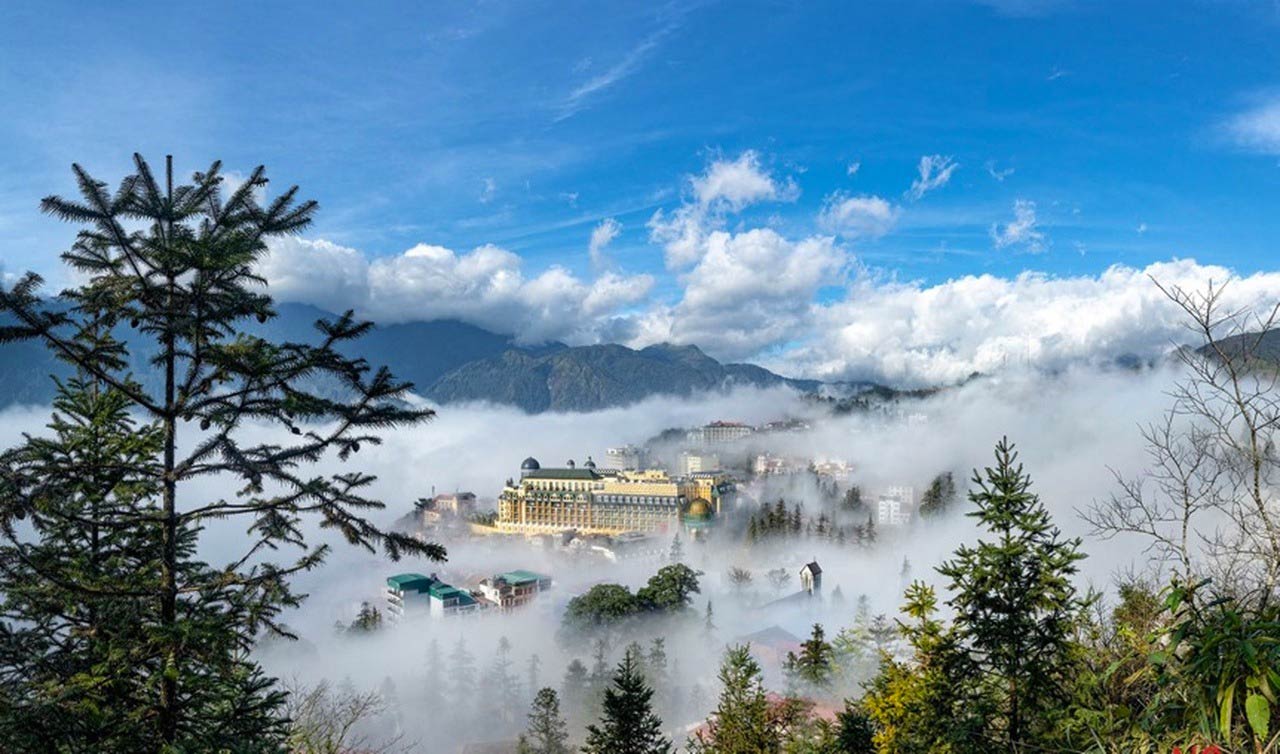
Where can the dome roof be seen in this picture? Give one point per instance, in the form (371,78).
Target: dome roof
(590,464)
(530,464)
(699,508)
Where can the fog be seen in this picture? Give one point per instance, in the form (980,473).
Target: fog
(1070,428)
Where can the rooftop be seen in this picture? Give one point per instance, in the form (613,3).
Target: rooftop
(409,582)
(521,576)
(582,474)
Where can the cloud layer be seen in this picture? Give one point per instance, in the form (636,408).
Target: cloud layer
(746,288)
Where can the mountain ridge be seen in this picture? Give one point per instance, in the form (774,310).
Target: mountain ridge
(450,361)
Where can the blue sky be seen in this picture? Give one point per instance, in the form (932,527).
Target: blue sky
(1074,136)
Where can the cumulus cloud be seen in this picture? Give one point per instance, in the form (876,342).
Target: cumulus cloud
(601,237)
(1258,128)
(739,183)
(748,292)
(857,216)
(934,172)
(725,186)
(1022,231)
(485,286)
(913,334)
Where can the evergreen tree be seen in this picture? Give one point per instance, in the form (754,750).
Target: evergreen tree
(368,620)
(1015,605)
(628,724)
(938,496)
(500,699)
(574,689)
(814,666)
(175,265)
(462,696)
(869,531)
(708,622)
(433,685)
(677,549)
(741,722)
(532,671)
(547,732)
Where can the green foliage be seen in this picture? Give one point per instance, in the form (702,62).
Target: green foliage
(920,706)
(628,724)
(609,606)
(1016,608)
(547,732)
(939,496)
(670,590)
(814,668)
(173,266)
(742,722)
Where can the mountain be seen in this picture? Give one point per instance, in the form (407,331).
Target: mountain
(586,378)
(1264,346)
(450,361)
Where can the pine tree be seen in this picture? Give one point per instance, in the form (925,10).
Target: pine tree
(532,671)
(574,689)
(500,699)
(708,622)
(677,549)
(433,683)
(462,694)
(939,496)
(814,667)
(628,724)
(741,722)
(547,732)
(368,620)
(1015,605)
(174,266)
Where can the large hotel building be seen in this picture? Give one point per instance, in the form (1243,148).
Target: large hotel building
(607,501)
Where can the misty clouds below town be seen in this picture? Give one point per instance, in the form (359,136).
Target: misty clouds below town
(1070,429)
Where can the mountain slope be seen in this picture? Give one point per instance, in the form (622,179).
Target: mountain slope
(449,361)
(587,378)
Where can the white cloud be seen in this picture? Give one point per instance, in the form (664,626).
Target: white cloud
(857,216)
(488,188)
(1258,128)
(934,172)
(996,172)
(1023,230)
(738,183)
(913,334)
(853,168)
(601,237)
(485,287)
(1142,227)
(748,292)
(725,186)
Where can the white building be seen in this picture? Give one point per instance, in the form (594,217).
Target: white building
(895,506)
(692,463)
(719,433)
(625,458)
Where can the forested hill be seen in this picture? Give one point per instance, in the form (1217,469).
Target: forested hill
(450,361)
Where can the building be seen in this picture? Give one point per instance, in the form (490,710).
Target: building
(691,462)
(514,588)
(767,464)
(719,433)
(456,504)
(602,501)
(892,510)
(839,472)
(811,578)
(625,458)
(413,594)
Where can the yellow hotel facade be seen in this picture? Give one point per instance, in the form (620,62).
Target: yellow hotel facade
(595,501)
